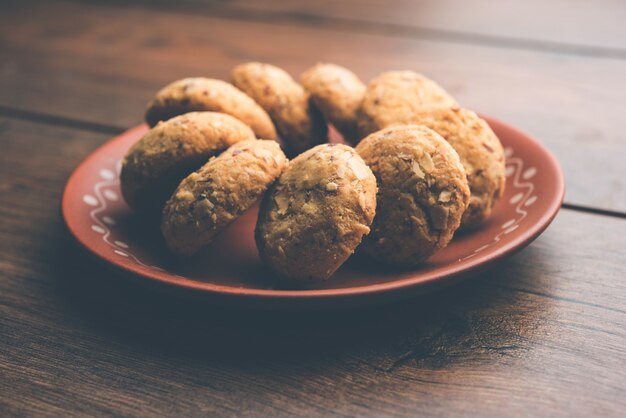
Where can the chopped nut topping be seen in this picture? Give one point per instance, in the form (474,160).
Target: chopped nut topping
(185,195)
(426,162)
(331,187)
(205,204)
(253,173)
(418,170)
(445,196)
(282,202)
(340,172)
(310,208)
(362,202)
(262,153)
(363,229)
(360,170)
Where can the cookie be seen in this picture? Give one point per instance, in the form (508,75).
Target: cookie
(153,166)
(395,96)
(338,93)
(422,193)
(480,151)
(316,214)
(298,122)
(211,198)
(198,94)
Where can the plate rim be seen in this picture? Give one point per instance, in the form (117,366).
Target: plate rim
(379,289)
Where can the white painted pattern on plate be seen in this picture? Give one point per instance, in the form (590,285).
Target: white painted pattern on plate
(107,174)
(101,225)
(520,176)
(90,200)
(110,195)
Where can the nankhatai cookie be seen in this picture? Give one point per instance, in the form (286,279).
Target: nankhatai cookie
(338,93)
(298,122)
(207,94)
(153,166)
(316,214)
(422,193)
(394,97)
(211,198)
(480,151)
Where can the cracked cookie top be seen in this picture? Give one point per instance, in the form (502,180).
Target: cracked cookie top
(154,165)
(393,98)
(338,93)
(317,213)
(211,198)
(481,154)
(299,123)
(422,193)
(208,94)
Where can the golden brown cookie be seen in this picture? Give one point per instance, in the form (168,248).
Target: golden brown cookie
(218,193)
(338,93)
(298,122)
(316,214)
(153,166)
(422,193)
(480,151)
(393,98)
(198,94)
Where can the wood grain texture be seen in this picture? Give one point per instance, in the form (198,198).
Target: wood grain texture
(570,26)
(542,335)
(104,67)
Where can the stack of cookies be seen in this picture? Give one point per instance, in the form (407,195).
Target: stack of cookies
(421,166)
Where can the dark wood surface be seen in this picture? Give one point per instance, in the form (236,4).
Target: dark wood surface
(594,28)
(542,334)
(574,103)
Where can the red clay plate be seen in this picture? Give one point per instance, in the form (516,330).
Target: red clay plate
(231,273)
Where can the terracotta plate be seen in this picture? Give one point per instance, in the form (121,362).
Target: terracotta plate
(230,272)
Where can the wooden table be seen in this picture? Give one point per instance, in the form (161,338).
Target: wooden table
(543,334)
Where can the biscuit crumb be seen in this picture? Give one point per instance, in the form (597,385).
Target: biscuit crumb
(445,195)
(184,195)
(205,204)
(282,202)
(360,170)
(418,170)
(426,161)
